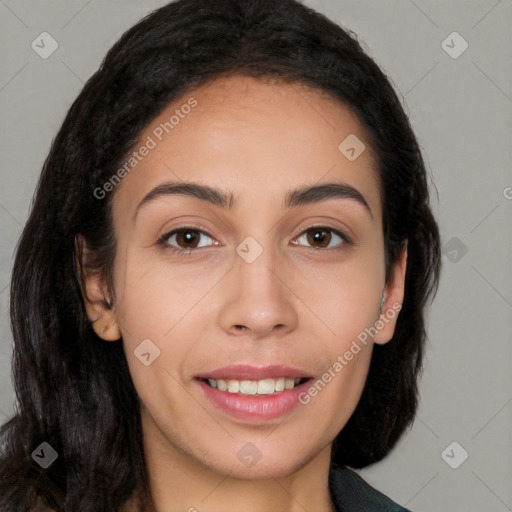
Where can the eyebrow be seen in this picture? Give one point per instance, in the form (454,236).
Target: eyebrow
(297,197)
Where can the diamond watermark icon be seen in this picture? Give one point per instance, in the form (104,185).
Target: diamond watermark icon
(454,455)
(351,147)
(249,455)
(146,352)
(44,455)
(454,45)
(44,45)
(249,249)
(454,250)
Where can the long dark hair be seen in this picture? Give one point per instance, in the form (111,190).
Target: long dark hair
(67,392)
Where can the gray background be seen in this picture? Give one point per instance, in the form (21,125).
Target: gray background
(461,110)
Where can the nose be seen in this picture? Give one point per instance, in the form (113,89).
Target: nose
(258,298)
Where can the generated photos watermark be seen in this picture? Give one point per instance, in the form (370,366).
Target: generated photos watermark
(157,135)
(343,360)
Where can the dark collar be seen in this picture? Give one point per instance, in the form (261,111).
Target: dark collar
(350,493)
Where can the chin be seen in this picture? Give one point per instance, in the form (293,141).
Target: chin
(247,462)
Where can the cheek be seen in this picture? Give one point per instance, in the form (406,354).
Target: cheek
(345,297)
(335,394)
(154,295)
(345,300)
(157,308)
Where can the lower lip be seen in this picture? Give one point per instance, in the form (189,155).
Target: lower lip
(254,407)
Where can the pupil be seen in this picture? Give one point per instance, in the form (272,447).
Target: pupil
(323,236)
(188,236)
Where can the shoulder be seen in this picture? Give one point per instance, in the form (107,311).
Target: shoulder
(350,493)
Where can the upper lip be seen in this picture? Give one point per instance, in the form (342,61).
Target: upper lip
(248,372)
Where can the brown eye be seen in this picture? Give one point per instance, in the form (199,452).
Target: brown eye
(186,238)
(321,238)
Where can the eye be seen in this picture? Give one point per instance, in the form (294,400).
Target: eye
(320,237)
(185,238)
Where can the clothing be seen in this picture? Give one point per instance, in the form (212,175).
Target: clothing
(349,493)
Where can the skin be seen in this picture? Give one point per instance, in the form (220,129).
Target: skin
(301,303)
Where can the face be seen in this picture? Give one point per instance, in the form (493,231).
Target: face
(265,273)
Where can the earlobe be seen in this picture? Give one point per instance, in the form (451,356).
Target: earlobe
(99,309)
(391,301)
(106,326)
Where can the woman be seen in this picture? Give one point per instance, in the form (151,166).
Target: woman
(218,299)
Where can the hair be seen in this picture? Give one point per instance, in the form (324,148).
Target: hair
(67,394)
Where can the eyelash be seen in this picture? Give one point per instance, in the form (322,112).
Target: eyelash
(163,241)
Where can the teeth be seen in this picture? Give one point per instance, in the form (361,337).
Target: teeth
(266,387)
(233,386)
(254,387)
(249,387)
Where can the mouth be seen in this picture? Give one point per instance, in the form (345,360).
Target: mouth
(269,386)
(253,393)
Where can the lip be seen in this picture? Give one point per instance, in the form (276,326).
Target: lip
(249,372)
(252,408)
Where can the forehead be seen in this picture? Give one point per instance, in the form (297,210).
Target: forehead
(256,138)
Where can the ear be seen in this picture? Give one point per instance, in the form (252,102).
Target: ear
(393,300)
(95,294)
